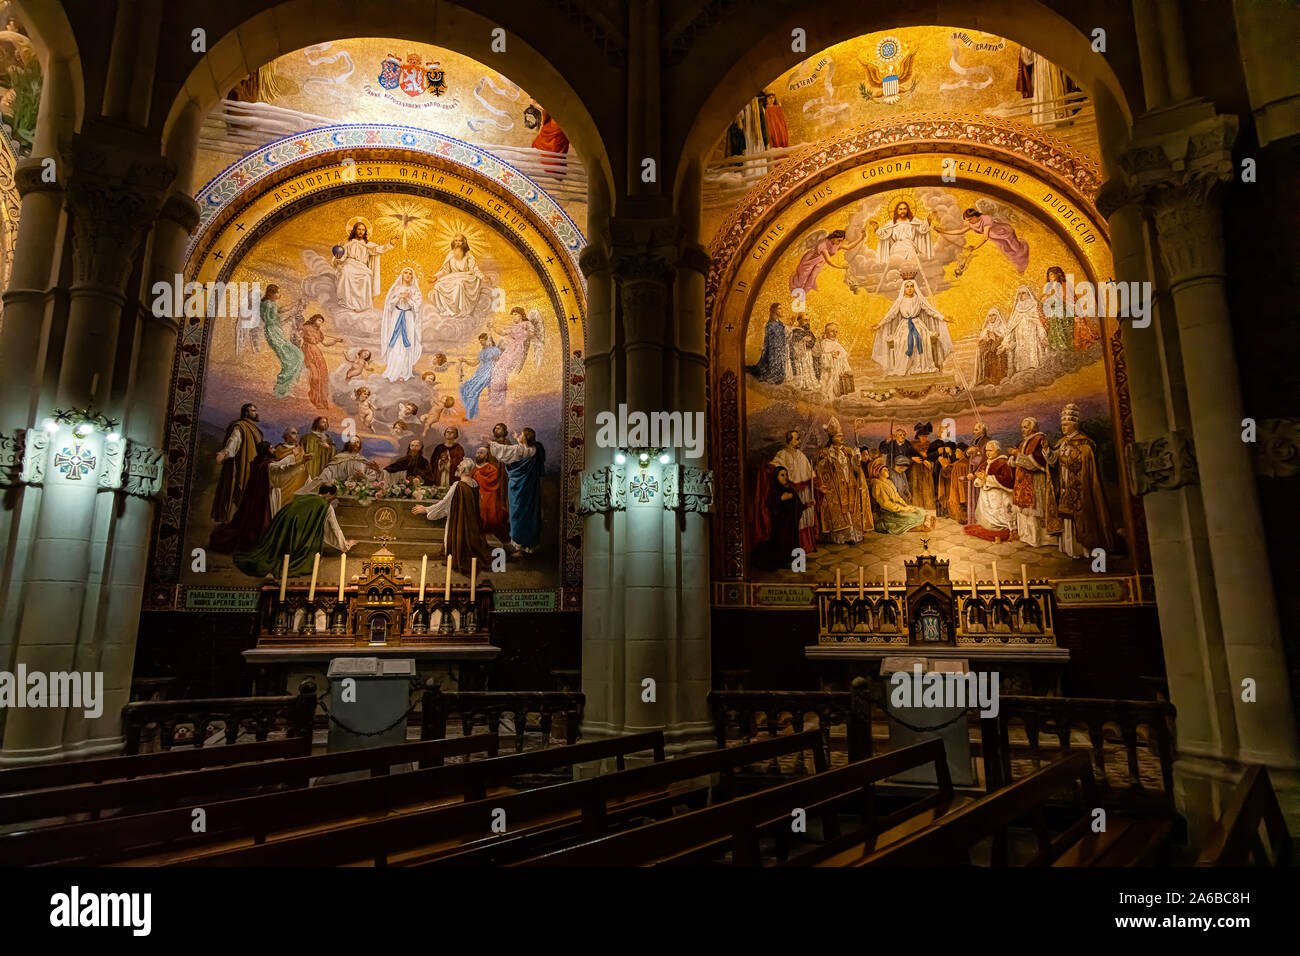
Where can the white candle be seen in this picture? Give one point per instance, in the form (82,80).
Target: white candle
(972,580)
(997,584)
(837,584)
(284,578)
(859,582)
(315,569)
(1024,579)
(424,568)
(885,578)
(343,574)
(473,577)
(446,594)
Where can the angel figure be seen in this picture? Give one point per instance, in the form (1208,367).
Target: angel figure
(365,406)
(518,340)
(819,247)
(992,221)
(358,363)
(405,412)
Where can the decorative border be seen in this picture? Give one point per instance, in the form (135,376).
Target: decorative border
(238,178)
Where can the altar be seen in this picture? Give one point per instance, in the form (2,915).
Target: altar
(366,521)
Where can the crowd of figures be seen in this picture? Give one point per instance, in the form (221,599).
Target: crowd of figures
(273,500)
(1038,492)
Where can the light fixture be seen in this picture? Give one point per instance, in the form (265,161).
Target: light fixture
(620,458)
(644,457)
(50,425)
(664,459)
(113,436)
(84,429)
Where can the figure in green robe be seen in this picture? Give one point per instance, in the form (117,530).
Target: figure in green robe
(319,446)
(300,529)
(290,355)
(893,514)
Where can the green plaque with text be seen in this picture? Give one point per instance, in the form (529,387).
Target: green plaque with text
(220,599)
(783,595)
(1105,591)
(523,601)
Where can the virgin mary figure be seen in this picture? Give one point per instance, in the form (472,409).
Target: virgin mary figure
(402,327)
(358,267)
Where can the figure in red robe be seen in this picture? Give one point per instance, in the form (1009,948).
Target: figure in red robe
(444,459)
(254,513)
(493,498)
(551,139)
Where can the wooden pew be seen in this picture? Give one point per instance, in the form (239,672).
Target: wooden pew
(544,814)
(255,817)
(1127,841)
(1236,840)
(222,781)
(739,824)
(79,772)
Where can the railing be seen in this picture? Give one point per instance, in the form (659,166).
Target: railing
(1027,733)
(260,716)
(486,708)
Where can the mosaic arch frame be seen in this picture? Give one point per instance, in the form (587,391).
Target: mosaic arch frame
(893,154)
(262,191)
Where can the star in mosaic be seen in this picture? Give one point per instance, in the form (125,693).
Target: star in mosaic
(643,487)
(76,462)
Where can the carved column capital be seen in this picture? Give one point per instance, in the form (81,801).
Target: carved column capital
(687,488)
(115,194)
(35,174)
(603,490)
(1278,448)
(1163,463)
(132,468)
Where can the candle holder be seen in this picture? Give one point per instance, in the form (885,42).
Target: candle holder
(308,618)
(446,625)
(419,618)
(280,618)
(468,618)
(339,618)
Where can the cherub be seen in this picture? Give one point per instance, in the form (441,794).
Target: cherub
(358,363)
(365,407)
(441,406)
(405,410)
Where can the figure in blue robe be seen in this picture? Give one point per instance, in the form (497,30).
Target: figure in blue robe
(472,388)
(772,364)
(524,471)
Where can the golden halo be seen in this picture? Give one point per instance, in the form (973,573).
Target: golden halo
(413,266)
(903,195)
(370,232)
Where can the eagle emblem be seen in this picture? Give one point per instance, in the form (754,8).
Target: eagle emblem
(889,74)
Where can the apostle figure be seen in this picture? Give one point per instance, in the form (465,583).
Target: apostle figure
(288,470)
(493,501)
(238,450)
(836,373)
(458,282)
(904,236)
(1084,516)
(991,357)
(771,365)
(446,458)
(940,457)
(348,465)
(996,512)
(462,539)
(1058,312)
(803,344)
(913,336)
(254,512)
(402,327)
(893,515)
(472,388)
(301,529)
(358,268)
(959,484)
(784,508)
(525,464)
(845,505)
(976,460)
(920,477)
(1035,502)
(1025,340)
(413,464)
(319,446)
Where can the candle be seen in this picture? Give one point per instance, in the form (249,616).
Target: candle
(837,584)
(859,582)
(315,569)
(972,580)
(424,568)
(343,574)
(997,584)
(473,577)
(284,578)
(1024,580)
(885,578)
(446,594)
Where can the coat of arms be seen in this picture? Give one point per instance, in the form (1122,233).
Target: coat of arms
(435,78)
(390,72)
(891,70)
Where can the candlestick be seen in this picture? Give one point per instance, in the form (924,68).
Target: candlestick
(885,579)
(972,580)
(1024,580)
(343,574)
(446,594)
(473,577)
(859,582)
(424,569)
(284,578)
(315,568)
(837,584)
(997,584)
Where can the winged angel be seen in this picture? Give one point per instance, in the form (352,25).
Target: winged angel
(525,335)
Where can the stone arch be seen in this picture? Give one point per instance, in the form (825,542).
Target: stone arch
(754,51)
(63,95)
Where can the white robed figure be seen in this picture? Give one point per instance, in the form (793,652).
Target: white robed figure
(458,282)
(358,268)
(402,327)
(1025,340)
(913,336)
(904,236)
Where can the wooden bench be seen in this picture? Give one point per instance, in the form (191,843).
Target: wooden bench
(738,825)
(542,815)
(151,792)
(1236,840)
(77,773)
(1126,841)
(254,818)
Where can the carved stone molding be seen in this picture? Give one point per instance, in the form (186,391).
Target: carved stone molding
(594,258)
(115,194)
(603,490)
(36,444)
(132,468)
(1277,448)
(687,488)
(12,452)
(182,210)
(1163,463)
(31,176)
(1190,228)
